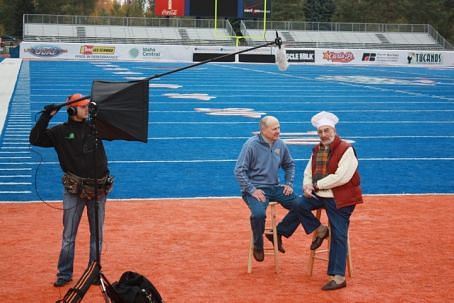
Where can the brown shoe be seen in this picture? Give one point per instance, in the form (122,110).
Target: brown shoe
(319,239)
(280,247)
(259,254)
(332,285)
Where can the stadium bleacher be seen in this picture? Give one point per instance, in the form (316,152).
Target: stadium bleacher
(194,32)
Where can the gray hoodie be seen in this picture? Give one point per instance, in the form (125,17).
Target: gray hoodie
(258,164)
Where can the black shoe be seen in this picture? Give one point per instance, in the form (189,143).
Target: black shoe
(332,285)
(61,282)
(259,254)
(280,247)
(319,240)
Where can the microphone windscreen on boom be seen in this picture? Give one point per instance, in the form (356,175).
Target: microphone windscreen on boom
(281,58)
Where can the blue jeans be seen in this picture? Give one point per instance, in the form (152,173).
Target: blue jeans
(258,209)
(339,219)
(73,209)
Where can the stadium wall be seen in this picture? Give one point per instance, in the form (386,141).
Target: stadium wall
(187,53)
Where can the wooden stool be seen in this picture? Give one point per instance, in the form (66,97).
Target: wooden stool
(314,253)
(268,230)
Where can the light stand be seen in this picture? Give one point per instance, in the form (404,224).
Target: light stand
(93,111)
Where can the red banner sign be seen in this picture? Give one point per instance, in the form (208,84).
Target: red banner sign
(169,7)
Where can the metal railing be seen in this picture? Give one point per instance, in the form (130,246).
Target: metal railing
(122,21)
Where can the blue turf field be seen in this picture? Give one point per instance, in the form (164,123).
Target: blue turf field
(400,118)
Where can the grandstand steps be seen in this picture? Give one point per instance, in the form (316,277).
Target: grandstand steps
(80,31)
(183,34)
(288,36)
(382,38)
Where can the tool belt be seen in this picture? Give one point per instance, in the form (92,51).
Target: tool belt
(85,187)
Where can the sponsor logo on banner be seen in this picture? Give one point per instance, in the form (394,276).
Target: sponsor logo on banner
(369,57)
(169,7)
(97,50)
(341,57)
(380,57)
(46,50)
(294,55)
(424,58)
(150,52)
(133,52)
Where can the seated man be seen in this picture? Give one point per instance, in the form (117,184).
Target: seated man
(257,171)
(331,181)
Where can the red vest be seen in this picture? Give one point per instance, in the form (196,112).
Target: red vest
(349,193)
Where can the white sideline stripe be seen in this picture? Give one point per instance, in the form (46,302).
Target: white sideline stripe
(9,69)
(15,157)
(226,160)
(14,169)
(15,183)
(212,197)
(16,176)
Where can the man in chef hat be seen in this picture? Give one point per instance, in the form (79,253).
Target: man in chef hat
(331,181)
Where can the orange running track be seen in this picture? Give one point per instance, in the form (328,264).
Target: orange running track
(196,251)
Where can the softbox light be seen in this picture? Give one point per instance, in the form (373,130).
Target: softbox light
(121,109)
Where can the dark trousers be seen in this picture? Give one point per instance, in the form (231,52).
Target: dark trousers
(258,209)
(301,212)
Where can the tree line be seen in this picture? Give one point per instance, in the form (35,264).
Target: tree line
(438,13)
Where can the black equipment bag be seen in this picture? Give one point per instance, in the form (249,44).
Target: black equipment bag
(76,294)
(135,288)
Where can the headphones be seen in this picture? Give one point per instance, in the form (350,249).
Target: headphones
(72,110)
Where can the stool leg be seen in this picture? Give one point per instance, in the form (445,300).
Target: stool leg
(349,257)
(251,248)
(273,226)
(313,252)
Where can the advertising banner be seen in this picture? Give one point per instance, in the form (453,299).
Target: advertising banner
(99,51)
(169,7)
(112,52)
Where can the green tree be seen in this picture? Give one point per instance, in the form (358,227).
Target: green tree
(11,14)
(319,10)
(287,10)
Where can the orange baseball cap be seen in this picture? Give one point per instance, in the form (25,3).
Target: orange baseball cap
(77,96)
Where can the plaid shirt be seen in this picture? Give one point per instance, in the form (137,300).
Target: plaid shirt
(321,163)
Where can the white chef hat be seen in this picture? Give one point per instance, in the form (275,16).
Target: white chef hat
(324,119)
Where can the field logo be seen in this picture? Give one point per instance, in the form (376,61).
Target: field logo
(243,112)
(342,57)
(378,80)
